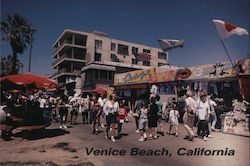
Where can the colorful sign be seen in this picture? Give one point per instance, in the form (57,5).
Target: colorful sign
(219,70)
(139,76)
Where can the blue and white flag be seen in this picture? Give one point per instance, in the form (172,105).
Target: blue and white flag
(168,44)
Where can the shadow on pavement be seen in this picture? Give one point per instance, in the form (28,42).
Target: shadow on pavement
(40,134)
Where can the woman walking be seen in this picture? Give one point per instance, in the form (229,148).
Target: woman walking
(110,110)
(152,118)
(143,121)
(173,120)
(121,118)
(95,109)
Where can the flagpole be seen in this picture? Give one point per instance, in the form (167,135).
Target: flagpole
(169,64)
(223,45)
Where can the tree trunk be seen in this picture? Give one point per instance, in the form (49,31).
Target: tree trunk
(13,67)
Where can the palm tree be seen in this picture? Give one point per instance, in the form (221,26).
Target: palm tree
(6,65)
(18,31)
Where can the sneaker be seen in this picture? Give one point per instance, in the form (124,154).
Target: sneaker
(150,135)
(102,125)
(155,136)
(113,139)
(106,137)
(191,138)
(176,134)
(141,139)
(144,135)
(213,129)
(61,127)
(64,126)
(137,131)
(205,138)
(210,136)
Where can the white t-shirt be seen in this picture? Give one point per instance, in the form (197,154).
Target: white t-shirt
(108,107)
(202,110)
(100,102)
(190,102)
(173,116)
(116,106)
(2,114)
(212,105)
(42,103)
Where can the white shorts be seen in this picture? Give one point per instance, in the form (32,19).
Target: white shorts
(143,123)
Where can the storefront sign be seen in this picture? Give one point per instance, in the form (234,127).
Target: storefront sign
(140,76)
(219,70)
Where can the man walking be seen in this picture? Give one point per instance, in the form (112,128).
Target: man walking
(189,116)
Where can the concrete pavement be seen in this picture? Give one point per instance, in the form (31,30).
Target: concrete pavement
(221,150)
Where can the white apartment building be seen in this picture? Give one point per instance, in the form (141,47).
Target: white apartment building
(97,57)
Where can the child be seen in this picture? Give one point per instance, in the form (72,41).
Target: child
(173,119)
(121,118)
(143,120)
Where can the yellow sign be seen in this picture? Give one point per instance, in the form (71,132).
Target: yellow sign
(139,76)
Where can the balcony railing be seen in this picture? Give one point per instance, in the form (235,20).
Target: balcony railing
(58,72)
(69,58)
(60,58)
(76,72)
(62,44)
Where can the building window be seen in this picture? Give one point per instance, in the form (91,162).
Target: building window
(110,75)
(103,74)
(162,55)
(147,51)
(134,61)
(134,50)
(98,57)
(146,63)
(114,58)
(80,40)
(113,45)
(122,49)
(79,53)
(96,74)
(161,64)
(98,44)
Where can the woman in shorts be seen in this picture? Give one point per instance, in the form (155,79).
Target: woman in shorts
(143,121)
(63,110)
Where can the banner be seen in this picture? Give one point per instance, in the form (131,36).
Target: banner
(139,76)
(211,71)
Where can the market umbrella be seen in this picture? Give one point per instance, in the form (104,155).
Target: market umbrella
(7,85)
(99,90)
(28,79)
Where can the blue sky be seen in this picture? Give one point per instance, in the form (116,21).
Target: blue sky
(139,21)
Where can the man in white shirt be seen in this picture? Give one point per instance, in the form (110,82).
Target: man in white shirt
(203,112)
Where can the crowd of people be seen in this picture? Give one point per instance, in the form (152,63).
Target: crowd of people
(111,112)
